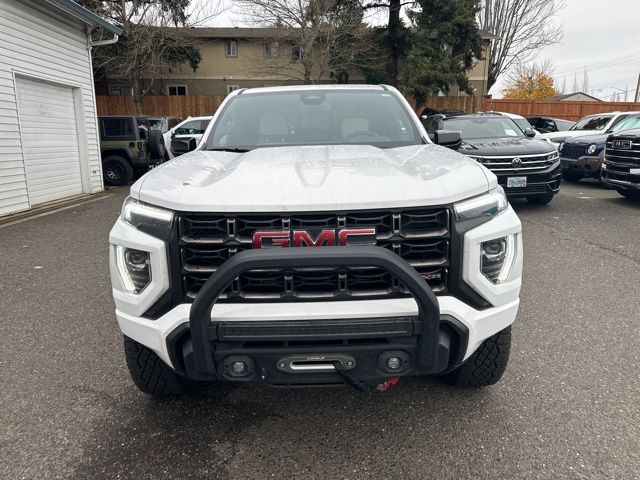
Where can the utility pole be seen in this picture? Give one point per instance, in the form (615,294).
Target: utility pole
(637,97)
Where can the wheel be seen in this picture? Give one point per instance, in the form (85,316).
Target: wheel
(156,146)
(630,194)
(544,200)
(117,171)
(572,176)
(150,374)
(486,365)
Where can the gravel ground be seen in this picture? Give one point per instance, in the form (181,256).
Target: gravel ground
(566,408)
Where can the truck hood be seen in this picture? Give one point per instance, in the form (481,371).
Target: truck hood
(313,178)
(506,146)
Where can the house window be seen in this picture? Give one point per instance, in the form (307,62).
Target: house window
(231,47)
(231,88)
(271,49)
(297,53)
(177,89)
(121,90)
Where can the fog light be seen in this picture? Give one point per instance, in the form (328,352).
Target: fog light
(393,363)
(238,368)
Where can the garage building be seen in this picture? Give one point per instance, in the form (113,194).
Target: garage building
(49,147)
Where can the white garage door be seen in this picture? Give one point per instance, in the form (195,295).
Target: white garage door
(49,134)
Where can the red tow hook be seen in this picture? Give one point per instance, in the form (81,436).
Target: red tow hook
(387,385)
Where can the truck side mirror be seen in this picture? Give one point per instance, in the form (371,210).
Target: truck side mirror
(180,146)
(530,132)
(448,138)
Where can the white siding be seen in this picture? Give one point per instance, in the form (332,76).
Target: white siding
(39,42)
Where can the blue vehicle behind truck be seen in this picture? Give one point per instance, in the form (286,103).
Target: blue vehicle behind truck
(582,157)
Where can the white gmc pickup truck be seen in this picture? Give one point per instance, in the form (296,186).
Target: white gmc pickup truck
(316,236)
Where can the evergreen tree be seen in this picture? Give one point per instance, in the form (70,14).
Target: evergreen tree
(444,44)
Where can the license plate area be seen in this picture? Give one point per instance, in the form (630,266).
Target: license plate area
(516,182)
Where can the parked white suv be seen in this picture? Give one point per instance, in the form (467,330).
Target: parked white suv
(590,125)
(316,237)
(191,128)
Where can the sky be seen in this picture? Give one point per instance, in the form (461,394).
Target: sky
(602,36)
(597,32)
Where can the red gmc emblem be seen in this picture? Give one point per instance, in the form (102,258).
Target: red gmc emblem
(320,238)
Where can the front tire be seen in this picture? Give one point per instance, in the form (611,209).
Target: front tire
(117,171)
(150,374)
(630,194)
(544,200)
(486,365)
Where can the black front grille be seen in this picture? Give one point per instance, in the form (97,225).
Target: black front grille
(512,164)
(623,151)
(420,236)
(573,151)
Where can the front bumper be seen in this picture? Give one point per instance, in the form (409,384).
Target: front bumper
(621,177)
(366,330)
(545,182)
(462,330)
(587,165)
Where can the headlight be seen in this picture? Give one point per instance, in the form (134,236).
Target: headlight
(138,214)
(497,258)
(561,146)
(489,204)
(134,268)
(592,149)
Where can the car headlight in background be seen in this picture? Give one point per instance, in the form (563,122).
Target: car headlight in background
(139,213)
(592,149)
(134,268)
(489,204)
(561,146)
(497,258)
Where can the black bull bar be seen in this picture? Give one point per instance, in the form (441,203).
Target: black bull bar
(356,256)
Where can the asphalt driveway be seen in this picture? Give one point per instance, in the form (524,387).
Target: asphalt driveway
(568,406)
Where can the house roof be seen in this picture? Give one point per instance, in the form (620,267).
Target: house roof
(569,95)
(72,8)
(244,32)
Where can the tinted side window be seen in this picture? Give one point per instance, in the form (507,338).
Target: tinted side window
(117,128)
(194,127)
(173,122)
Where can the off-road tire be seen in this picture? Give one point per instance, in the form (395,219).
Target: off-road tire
(156,146)
(117,171)
(150,374)
(543,200)
(486,365)
(630,194)
(572,176)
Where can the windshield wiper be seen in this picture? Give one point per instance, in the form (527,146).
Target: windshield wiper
(469,145)
(229,149)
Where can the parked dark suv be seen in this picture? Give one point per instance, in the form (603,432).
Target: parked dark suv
(128,145)
(582,156)
(621,166)
(549,125)
(525,167)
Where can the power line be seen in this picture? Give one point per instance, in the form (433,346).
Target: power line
(601,65)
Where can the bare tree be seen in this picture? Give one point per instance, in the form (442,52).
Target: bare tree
(310,39)
(523,27)
(150,45)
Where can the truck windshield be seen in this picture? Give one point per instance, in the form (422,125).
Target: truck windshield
(313,117)
(598,122)
(484,127)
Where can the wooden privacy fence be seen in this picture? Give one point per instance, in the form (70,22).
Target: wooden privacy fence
(192,105)
(179,105)
(567,110)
